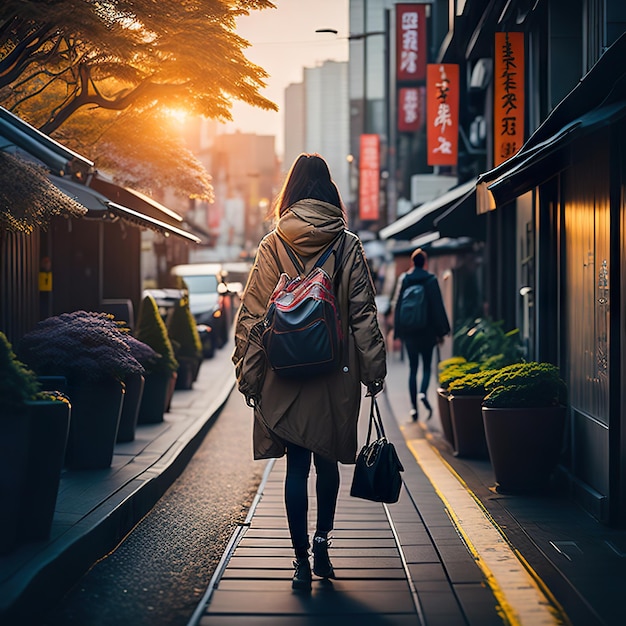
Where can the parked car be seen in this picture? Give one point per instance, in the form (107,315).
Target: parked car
(210,301)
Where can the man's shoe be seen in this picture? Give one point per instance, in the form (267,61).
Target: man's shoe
(302,575)
(426,404)
(322,566)
(413,414)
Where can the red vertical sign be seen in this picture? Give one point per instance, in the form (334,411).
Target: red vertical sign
(411,109)
(411,47)
(442,95)
(508,109)
(369,177)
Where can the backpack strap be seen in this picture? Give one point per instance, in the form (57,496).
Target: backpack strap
(297,263)
(330,249)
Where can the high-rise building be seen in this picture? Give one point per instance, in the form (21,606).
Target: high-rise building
(316,119)
(294,120)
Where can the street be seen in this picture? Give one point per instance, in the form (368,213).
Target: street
(158,574)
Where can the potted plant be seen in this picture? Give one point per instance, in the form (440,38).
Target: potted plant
(466,394)
(524,419)
(134,383)
(484,338)
(161,375)
(33,434)
(449,370)
(183,333)
(91,352)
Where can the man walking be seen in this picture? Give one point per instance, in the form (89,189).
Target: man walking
(421,322)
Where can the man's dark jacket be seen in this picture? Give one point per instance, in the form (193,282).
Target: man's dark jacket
(438,324)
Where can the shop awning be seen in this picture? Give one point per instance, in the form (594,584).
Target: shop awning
(135,200)
(19,136)
(101,207)
(146,221)
(420,220)
(461,220)
(598,100)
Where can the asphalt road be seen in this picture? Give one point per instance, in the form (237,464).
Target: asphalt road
(161,570)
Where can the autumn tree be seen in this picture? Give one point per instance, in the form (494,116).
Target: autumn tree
(59,58)
(118,53)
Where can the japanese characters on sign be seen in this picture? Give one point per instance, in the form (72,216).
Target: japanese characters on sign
(442,94)
(411,108)
(508,110)
(369,177)
(411,47)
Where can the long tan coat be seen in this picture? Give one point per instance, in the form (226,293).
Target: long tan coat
(321,413)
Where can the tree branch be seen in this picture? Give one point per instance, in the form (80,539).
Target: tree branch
(144,90)
(13,63)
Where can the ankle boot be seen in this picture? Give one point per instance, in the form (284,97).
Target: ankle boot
(322,566)
(302,575)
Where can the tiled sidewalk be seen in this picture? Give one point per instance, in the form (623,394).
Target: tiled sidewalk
(391,568)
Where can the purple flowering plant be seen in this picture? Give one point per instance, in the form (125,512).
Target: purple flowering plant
(84,346)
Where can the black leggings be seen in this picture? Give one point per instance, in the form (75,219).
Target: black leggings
(296,495)
(415,350)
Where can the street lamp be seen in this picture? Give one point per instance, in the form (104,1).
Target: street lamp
(353,37)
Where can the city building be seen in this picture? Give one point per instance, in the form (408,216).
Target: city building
(245,178)
(316,120)
(540,133)
(295,124)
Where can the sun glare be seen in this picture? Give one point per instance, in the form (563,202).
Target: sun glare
(178,115)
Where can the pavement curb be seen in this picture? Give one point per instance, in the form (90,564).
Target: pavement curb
(49,575)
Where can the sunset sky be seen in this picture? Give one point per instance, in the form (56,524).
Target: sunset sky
(283,42)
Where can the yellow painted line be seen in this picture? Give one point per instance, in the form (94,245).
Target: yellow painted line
(522,599)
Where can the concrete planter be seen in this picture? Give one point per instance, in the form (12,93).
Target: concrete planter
(443,404)
(96,410)
(467,426)
(32,449)
(130,409)
(156,397)
(524,446)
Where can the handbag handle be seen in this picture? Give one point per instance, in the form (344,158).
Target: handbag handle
(377,421)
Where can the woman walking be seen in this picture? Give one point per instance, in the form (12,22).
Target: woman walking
(312,417)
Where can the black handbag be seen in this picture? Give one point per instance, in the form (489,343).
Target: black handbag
(377,471)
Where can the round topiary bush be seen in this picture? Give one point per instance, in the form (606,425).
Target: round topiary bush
(472,384)
(526,385)
(457,371)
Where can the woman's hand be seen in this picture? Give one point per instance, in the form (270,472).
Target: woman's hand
(374,388)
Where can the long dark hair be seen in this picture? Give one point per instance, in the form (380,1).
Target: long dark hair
(309,177)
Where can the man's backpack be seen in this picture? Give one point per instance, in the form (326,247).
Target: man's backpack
(302,334)
(413,314)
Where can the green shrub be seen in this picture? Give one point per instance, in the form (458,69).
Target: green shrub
(18,383)
(183,331)
(451,362)
(484,339)
(457,371)
(151,330)
(471,384)
(526,385)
